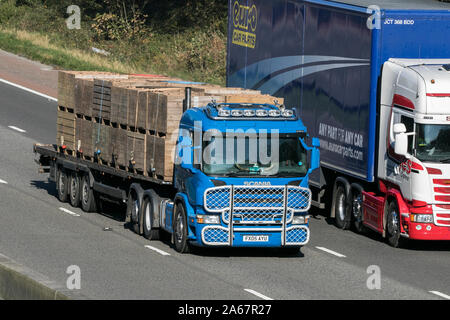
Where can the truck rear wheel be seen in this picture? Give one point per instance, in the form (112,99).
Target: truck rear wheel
(393,226)
(341,208)
(180,230)
(148,223)
(133,212)
(74,190)
(88,201)
(62,185)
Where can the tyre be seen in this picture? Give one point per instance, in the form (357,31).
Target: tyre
(133,212)
(87,196)
(393,226)
(62,185)
(180,229)
(357,211)
(341,209)
(149,231)
(74,190)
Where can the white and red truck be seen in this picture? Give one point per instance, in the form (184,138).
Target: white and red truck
(371,79)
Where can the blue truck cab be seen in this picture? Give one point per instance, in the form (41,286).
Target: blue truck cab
(241,178)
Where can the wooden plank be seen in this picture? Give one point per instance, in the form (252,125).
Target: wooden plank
(136,147)
(119,142)
(253,99)
(119,105)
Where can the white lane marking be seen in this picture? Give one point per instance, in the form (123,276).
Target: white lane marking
(17,129)
(258,294)
(29,90)
(3,181)
(337,254)
(440,294)
(158,250)
(69,212)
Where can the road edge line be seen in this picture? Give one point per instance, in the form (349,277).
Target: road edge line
(27,89)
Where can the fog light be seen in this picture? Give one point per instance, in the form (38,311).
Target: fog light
(300,220)
(208,219)
(422,218)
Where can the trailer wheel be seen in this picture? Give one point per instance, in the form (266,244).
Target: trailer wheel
(88,201)
(341,208)
(133,212)
(180,230)
(357,211)
(62,185)
(148,223)
(393,226)
(74,189)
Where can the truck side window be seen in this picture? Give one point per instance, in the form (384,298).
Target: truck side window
(409,124)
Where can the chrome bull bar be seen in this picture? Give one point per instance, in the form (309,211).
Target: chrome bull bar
(254,208)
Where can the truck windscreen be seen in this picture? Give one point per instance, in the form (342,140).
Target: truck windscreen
(433,142)
(243,156)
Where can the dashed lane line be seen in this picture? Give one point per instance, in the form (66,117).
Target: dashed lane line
(260,295)
(337,254)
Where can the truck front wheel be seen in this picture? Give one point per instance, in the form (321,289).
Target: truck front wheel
(393,226)
(180,230)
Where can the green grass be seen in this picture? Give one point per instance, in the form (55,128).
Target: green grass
(9,42)
(40,34)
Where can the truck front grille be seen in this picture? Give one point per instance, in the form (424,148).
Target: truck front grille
(256,206)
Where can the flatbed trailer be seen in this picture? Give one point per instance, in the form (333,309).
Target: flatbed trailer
(203,205)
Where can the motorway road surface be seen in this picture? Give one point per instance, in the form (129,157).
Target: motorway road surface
(40,232)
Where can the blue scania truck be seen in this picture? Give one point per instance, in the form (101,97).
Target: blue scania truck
(371,79)
(241,179)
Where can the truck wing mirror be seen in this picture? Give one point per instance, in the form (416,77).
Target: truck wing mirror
(401,140)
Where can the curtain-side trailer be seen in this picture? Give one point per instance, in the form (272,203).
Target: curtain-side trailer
(371,79)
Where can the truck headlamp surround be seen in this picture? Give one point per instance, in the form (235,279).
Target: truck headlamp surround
(208,219)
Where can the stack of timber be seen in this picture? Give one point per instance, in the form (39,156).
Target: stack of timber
(130,122)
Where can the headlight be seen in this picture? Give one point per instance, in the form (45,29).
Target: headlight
(237,113)
(287,113)
(249,113)
(422,218)
(261,113)
(300,220)
(208,219)
(224,113)
(274,113)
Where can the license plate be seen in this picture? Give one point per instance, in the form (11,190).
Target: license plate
(259,238)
